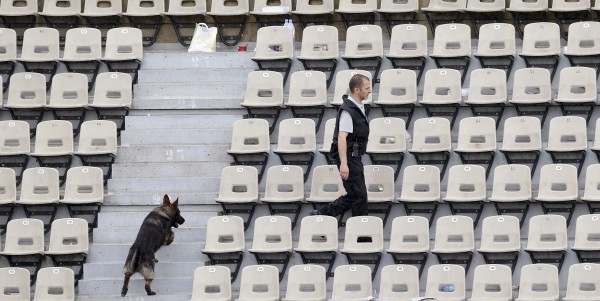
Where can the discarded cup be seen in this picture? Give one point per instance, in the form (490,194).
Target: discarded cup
(242,47)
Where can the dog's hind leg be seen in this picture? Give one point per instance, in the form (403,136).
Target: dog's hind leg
(125,284)
(148,289)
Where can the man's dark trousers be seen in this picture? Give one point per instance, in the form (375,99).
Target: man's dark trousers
(356,192)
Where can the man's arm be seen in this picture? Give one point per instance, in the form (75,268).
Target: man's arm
(342,150)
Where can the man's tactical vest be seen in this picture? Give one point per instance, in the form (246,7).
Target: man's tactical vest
(360,131)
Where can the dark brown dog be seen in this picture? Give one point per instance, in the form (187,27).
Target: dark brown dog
(154,233)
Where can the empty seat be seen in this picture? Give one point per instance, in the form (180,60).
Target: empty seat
(327,140)
(397,13)
(527,12)
(577,91)
(492,283)
(496,47)
(16,14)
(487,93)
(466,191)
(8,196)
(54,146)
(442,93)
(284,191)
(269,13)
(591,194)
(15,284)
(500,240)
(54,283)
(83,52)
(24,244)
(320,49)
(446,282)
(511,190)
(184,16)
(532,92)
(431,142)
(399,283)
(230,19)
(583,282)
(352,282)
(567,141)
(452,46)
(306,282)
(69,244)
(541,46)
(124,51)
(547,239)
(477,141)
(387,142)
(98,145)
(596,146)
(439,12)
(113,97)
(363,241)
(318,241)
(583,45)
(8,56)
(538,282)
(61,14)
(40,52)
(310,12)
(454,240)
(26,98)
(264,96)
(102,14)
(308,95)
(421,190)
(297,143)
(274,50)
(69,98)
(522,141)
(586,245)
(250,143)
(225,243)
(238,191)
(146,15)
(84,193)
(485,12)
(211,283)
(272,242)
(569,12)
(558,189)
(408,48)
(398,93)
(15,146)
(342,78)
(326,185)
(409,242)
(357,13)
(364,48)
(40,193)
(379,181)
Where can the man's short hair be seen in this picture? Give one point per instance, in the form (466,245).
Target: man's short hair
(357,81)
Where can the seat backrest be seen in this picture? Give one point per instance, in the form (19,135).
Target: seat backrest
(487,86)
(566,5)
(318,233)
(399,282)
(69,90)
(306,282)
(482,5)
(342,78)
(539,281)
(431,134)
(185,7)
(453,39)
(297,135)
(583,38)
(446,282)
(409,234)
(40,184)
(264,89)
(420,183)
(379,180)
(307,88)
(586,232)
(525,5)
(259,282)
(387,135)
(14,284)
(532,85)
(454,234)
(496,39)
(24,236)
(326,184)
(98,137)
(408,40)
(84,184)
(8,43)
(26,90)
(349,6)
(512,182)
(352,282)
(227,8)
(14,137)
(328,135)
(68,236)
(250,135)
(558,182)
(500,233)
(113,89)
(583,282)
(319,41)
(547,232)
(442,86)
(8,186)
(364,41)
(492,282)
(477,134)
(285,183)
(397,86)
(542,38)
(53,283)
(40,44)
(522,133)
(102,7)
(124,43)
(567,133)
(364,234)
(83,44)
(225,234)
(445,5)
(61,8)
(272,7)
(274,42)
(211,283)
(272,233)
(592,183)
(54,137)
(145,7)
(399,6)
(238,184)
(16,8)
(308,7)
(577,84)
(466,183)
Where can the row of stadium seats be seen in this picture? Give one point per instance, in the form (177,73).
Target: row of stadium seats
(52,283)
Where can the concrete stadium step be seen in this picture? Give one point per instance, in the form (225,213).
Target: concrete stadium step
(162,269)
(224,89)
(135,219)
(200,120)
(167,170)
(187,102)
(185,60)
(175,136)
(200,184)
(126,235)
(174,153)
(176,252)
(148,199)
(192,75)
(162,286)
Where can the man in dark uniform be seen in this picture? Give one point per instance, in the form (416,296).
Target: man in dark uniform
(352,132)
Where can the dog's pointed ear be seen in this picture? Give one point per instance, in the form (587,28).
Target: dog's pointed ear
(166,200)
(174,204)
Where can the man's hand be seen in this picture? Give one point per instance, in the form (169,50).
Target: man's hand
(344,171)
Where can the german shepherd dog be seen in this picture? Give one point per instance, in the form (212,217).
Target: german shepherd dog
(154,233)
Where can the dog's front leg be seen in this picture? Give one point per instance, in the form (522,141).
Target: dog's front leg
(170,237)
(148,289)
(125,284)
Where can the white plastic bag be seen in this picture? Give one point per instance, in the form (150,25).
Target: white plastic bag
(204,39)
